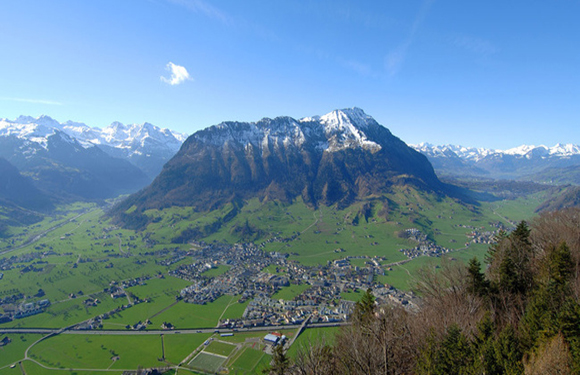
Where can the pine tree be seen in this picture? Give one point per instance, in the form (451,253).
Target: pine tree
(364,308)
(560,265)
(485,361)
(455,355)
(477,285)
(281,363)
(508,352)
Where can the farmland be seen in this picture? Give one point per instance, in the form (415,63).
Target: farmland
(107,279)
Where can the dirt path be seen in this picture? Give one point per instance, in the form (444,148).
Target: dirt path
(227,307)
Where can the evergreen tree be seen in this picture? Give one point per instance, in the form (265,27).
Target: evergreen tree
(427,361)
(364,308)
(569,325)
(477,283)
(491,254)
(281,363)
(522,234)
(455,356)
(452,355)
(509,261)
(560,266)
(508,352)
(485,361)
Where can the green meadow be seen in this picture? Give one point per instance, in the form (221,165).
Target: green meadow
(85,253)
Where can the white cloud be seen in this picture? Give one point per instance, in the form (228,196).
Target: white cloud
(34,101)
(178,74)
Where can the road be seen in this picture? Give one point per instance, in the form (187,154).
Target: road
(42,234)
(69,331)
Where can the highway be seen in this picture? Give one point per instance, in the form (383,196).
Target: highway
(69,331)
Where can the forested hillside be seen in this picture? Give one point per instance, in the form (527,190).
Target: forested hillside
(520,316)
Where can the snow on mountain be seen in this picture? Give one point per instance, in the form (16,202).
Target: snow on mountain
(477,154)
(334,131)
(115,135)
(517,162)
(345,128)
(332,159)
(146,146)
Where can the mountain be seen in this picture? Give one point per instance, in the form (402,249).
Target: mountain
(65,167)
(17,190)
(21,203)
(332,159)
(557,176)
(515,163)
(146,146)
(568,197)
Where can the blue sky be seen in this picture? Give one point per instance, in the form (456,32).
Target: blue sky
(493,74)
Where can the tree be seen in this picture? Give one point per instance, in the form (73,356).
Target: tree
(510,262)
(451,355)
(280,364)
(485,361)
(508,352)
(364,308)
(560,265)
(477,283)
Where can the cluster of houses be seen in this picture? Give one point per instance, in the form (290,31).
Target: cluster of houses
(246,276)
(426,248)
(245,262)
(8,263)
(31,308)
(486,237)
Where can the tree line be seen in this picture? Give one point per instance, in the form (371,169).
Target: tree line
(517,313)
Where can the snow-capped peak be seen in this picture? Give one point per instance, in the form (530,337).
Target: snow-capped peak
(342,118)
(115,135)
(334,131)
(345,128)
(476,154)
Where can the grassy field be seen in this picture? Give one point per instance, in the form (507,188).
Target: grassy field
(289,292)
(161,295)
(83,256)
(207,362)
(33,368)
(98,351)
(312,335)
(404,276)
(352,296)
(219,270)
(221,348)
(178,347)
(14,351)
(188,315)
(247,362)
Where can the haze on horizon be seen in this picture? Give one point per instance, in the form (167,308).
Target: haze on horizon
(490,74)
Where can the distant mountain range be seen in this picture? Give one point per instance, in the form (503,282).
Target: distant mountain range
(74,161)
(537,163)
(146,146)
(332,159)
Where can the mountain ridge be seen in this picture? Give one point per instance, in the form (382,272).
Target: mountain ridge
(331,159)
(523,162)
(146,146)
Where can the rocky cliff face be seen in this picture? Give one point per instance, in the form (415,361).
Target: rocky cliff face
(332,159)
